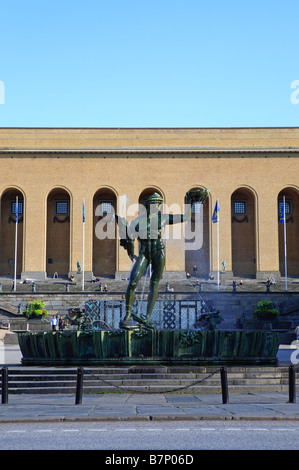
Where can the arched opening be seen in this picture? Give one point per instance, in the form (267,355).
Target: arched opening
(58,233)
(8,232)
(104,233)
(243,223)
(197,248)
(146,193)
(291,196)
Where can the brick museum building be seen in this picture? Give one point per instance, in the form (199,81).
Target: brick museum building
(52,170)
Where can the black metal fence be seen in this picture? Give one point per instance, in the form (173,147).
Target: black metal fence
(79,384)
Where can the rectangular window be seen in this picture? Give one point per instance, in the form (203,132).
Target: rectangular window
(62,207)
(288,207)
(106,207)
(13,208)
(239,207)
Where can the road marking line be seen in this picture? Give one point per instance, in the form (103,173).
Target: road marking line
(16,430)
(154,429)
(127,429)
(257,429)
(285,429)
(97,430)
(205,429)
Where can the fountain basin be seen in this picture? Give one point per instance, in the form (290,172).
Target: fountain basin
(124,347)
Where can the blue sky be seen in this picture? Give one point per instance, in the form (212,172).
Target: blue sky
(165,63)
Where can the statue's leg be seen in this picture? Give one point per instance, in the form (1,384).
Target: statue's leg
(137,272)
(158,264)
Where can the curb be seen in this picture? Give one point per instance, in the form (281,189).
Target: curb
(68,419)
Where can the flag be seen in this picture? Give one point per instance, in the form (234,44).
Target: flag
(215,216)
(17,211)
(283,212)
(83,212)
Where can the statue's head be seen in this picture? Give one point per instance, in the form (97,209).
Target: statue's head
(155,199)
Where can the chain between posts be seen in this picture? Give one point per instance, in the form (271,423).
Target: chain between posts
(123,389)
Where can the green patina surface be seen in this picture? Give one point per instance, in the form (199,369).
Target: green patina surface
(149,346)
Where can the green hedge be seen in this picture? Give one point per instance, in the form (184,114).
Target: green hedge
(265,310)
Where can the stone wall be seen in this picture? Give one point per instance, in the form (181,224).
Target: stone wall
(232,306)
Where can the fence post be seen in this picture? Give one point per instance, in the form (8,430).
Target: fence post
(79,386)
(4,385)
(292,384)
(224,385)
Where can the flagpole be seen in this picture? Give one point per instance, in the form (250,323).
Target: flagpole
(218,272)
(16,244)
(285,244)
(215,219)
(83,247)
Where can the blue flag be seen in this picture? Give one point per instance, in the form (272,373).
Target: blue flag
(17,211)
(283,212)
(83,212)
(215,216)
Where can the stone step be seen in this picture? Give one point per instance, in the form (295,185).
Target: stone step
(211,389)
(127,382)
(146,377)
(132,371)
(163,372)
(215,389)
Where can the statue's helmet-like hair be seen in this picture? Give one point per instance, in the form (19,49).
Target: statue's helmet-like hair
(154,199)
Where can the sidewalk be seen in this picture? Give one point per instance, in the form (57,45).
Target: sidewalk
(127,406)
(130,407)
(147,407)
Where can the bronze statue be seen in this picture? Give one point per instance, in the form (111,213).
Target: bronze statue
(148,227)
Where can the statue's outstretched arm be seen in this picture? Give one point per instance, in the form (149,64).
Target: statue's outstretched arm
(179,218)
(197,195)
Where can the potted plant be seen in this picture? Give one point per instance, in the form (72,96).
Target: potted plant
(35,309)
(265,311)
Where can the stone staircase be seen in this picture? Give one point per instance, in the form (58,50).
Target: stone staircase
(174,379)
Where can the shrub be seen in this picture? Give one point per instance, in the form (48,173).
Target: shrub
(265,310)
(35,308)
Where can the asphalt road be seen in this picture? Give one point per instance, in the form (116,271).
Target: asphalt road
(171,436)
(144,439)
